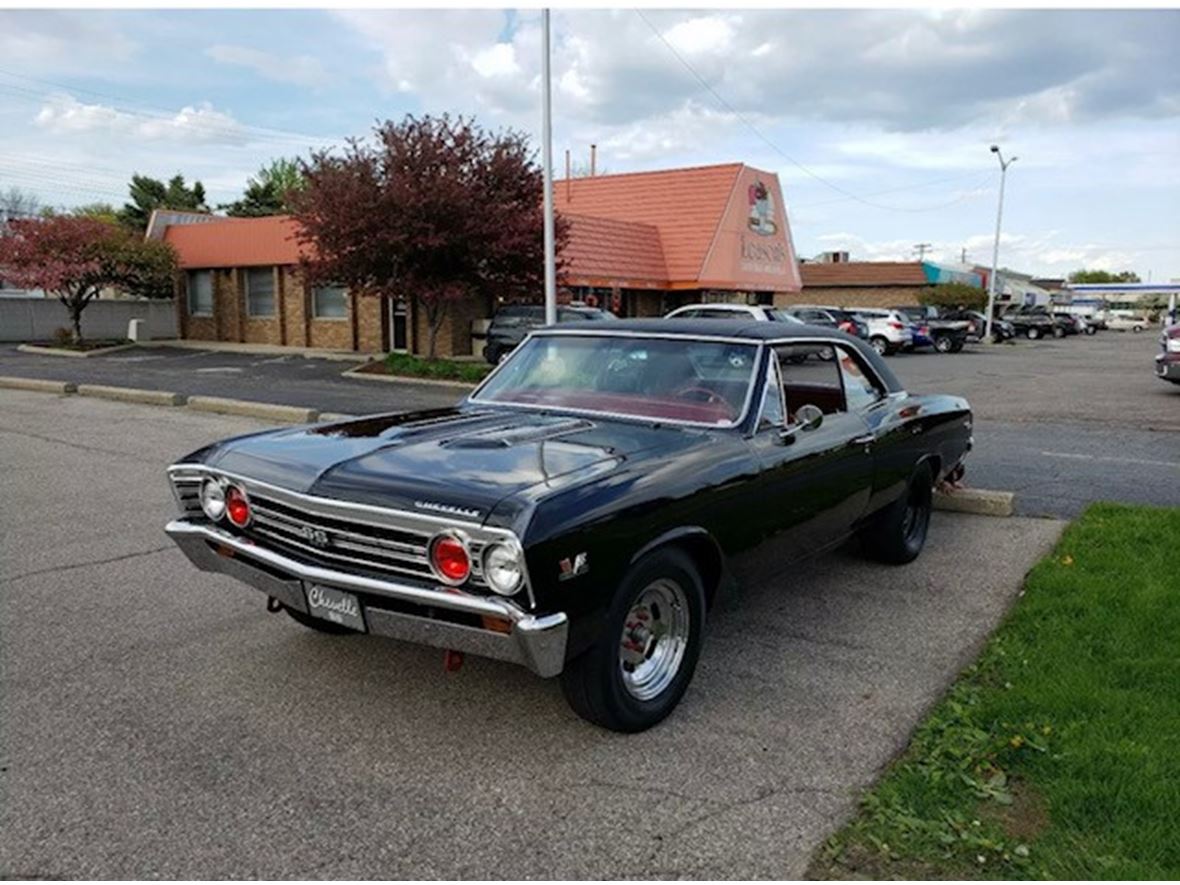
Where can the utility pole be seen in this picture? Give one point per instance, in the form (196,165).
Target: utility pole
(963,255)
(991,278)
(922,249)
(547,160)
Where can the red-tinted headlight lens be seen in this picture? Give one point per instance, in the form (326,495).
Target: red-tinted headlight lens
(450,559)
(237,506)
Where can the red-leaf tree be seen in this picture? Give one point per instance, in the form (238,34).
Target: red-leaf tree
(75,258)
(435,209)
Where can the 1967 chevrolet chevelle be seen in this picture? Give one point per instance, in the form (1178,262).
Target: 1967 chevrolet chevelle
(580,512)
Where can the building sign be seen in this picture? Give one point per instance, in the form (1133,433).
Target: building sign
(761,220)
(752,250)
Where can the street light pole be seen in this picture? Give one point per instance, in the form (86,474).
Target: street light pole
(547,159)
(991,279)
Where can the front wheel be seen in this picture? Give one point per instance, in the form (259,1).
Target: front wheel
(1091,330)
(636,672)
(1136,329)
(1033,333)
(898,534)
(880,344)
(943,344)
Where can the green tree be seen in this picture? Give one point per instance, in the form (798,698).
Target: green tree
(270,191)
(1104,276)
(955,295)
(150,193)
(102,211)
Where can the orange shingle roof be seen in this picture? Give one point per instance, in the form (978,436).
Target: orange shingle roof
(864,273)
(603,252)
(235,242)
(683,205)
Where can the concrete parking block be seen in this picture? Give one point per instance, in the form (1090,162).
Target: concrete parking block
(45,350)
(133,395)
(37,384)
(265,411)
(334,417)
(983,502)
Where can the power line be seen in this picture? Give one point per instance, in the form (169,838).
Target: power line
(774,147)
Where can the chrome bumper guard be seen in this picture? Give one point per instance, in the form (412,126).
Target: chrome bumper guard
(535,642)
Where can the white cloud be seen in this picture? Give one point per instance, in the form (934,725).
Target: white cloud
(64,114)
(496,61)
(299,70)
(708,34)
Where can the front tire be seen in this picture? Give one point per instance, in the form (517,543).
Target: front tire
(899,533)
(1033,333)
(636,672)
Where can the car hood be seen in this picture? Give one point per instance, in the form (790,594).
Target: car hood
(459,461)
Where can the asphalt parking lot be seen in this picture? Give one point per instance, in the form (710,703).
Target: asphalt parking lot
(1060,422)
(159,723)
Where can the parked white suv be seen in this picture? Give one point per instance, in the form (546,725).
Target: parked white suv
(889,330)
(757,312)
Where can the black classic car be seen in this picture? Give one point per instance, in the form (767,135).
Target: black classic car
(583,509)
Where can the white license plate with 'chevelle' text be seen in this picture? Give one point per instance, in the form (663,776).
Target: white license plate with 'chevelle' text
(336,606)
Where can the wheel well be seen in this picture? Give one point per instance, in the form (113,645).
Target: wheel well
(935,462)
(703,552)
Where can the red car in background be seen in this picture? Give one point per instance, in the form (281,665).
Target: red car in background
(1167,361)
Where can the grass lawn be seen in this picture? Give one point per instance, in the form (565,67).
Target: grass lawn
(442,369)
(1056,755)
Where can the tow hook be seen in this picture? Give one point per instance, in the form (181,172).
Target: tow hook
(452,660)
(273,605)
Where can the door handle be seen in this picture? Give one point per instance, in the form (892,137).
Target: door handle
(867,440)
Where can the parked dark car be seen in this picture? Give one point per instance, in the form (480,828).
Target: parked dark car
(931,330)
(1070,324)
(1002,330)
(511,324)
(1034,325)
(1167,361)
(582,510)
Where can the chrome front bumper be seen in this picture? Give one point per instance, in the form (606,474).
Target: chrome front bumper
(535,642)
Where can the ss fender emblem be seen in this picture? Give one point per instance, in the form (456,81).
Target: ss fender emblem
(571,568)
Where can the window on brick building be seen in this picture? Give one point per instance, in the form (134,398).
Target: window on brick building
(329,303)
(260,291)
(200,293)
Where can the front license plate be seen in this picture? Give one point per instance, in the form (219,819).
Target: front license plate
(336,606)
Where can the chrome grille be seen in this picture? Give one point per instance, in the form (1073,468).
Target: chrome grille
(187,489)
(342,542)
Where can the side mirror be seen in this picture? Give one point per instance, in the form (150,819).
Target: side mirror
(807,418)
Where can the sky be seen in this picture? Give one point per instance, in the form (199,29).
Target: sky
(878,122)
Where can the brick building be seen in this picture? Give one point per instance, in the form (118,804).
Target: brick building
(640,243)
(872,283)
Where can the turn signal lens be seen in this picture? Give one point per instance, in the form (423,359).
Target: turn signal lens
(449,557)
(213,499)
(237,506)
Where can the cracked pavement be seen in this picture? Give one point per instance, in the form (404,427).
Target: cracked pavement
(157,722)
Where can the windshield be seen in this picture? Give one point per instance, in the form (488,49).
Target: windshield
(781,316)
(666,379)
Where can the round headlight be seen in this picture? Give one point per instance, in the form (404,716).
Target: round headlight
(503,568)
(213,499)
(449,557)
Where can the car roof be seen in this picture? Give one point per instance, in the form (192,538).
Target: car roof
(752,331)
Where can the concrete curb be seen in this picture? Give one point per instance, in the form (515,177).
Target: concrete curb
(335,417)
(61,351)
(37,384)
(407,379)
(982,502)
(248,409)
(132,395)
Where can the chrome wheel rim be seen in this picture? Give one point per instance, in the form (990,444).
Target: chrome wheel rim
(655,637)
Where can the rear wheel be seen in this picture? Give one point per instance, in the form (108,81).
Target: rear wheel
(637,671)
(1033,333)
(898,534)
(1058,332)
(1136,329)
(943,344)
(880,344)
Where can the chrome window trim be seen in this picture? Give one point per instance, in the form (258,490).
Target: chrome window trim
(775,377)
(369,514)
(756,343)
(868,367)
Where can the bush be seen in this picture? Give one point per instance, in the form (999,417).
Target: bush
(954,295)
(449,370)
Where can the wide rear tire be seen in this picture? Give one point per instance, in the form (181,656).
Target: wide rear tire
(898,534)
(640,667)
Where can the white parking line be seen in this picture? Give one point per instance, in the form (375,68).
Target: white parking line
(1079,457)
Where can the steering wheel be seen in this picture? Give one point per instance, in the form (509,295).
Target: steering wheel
(711,397)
